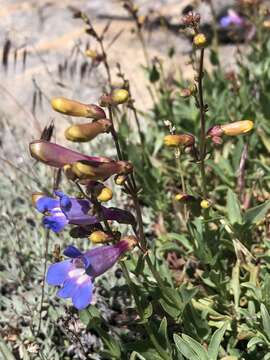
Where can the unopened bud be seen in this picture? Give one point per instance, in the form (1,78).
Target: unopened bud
(87,132)
(237,128)
(75,108)
(199,40)
(118,96)
(179,140)
(183,197)
(99,237)
(120,179)
(105,194)
(205,204)
(131,240)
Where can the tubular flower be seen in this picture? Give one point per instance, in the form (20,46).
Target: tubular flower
(87,170)
(58,156)
(118,96)
(179,140)
(232,129)
(65,210)
(87,132)
(75,108)
(76,275)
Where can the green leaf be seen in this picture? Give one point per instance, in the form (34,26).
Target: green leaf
(235,284)
(254,341)
(184,348)
(216,339)
(197,347)
(162,333)
(265,320)
(154,74)
(257,213)
(134,355)
(233,208)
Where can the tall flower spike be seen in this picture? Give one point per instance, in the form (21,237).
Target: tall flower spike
(58,156)
(65,210)
(75,108)
(76,275)
(87,132)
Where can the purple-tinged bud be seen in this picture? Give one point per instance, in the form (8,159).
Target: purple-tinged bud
(75,108)
(231,129)
(58,156)
(100,171)
(215,131)
(87,132)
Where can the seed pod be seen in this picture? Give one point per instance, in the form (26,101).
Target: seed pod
(87,132)
(199,40)
(75,108)
(179,140)
(118,96)
(237,128)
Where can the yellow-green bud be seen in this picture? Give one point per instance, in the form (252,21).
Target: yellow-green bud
(105,194)
(199,40)
(75,108)
(205,204)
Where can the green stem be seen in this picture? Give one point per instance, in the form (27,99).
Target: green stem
(202,119)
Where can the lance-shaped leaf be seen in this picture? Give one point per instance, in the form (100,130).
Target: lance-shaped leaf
(58,156)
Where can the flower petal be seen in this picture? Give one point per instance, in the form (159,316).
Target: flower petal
(82,296)
(55,222)
(58,272)
(46,203)
(72,252)
(68,288)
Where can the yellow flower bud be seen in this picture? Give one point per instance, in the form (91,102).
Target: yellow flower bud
(237,128)
(87,132)
(98,237)
(105,194)
(179,140)
(91,53)
(199,40)
(120,179)
(75,108)
(266,24)
(179,197)
(205,204)
(120,96)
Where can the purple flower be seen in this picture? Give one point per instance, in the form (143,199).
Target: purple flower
(231,19)
(76,276)
(67,210)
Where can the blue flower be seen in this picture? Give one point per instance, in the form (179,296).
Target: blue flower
(67,210)
(231,19)
(76,275)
